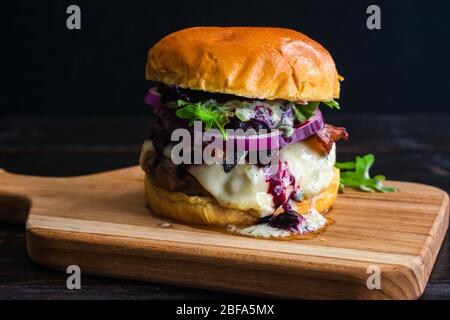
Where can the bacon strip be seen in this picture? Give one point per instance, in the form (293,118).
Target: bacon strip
(329,135)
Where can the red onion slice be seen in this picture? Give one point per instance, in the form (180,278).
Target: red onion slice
(168,118)
(306,130)
(153,98)
(274,140)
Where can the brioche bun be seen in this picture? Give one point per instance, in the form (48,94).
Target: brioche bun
(206,210)
(253,62)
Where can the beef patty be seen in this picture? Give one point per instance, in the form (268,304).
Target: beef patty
(164,174)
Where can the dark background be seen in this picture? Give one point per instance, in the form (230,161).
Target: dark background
(65,95)
(99,70)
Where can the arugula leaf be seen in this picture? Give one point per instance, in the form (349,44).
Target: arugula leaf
(333,104)
(304,112)
(345,165)
(209,113)
(356,174)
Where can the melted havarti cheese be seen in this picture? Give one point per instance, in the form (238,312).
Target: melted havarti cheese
(245,187)
(313,171)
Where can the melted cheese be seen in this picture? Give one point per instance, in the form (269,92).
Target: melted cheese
(313,172)
(245,187)
(313,222)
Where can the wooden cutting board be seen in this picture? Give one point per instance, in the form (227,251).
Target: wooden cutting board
(100,222)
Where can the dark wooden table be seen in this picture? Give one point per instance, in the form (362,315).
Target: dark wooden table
(412,148)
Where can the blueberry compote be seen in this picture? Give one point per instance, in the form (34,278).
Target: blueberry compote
(281,184)
(289,220)
(282,188)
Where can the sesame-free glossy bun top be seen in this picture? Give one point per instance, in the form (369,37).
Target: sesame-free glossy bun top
(253,62)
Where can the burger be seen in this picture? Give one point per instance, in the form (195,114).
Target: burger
(271,82)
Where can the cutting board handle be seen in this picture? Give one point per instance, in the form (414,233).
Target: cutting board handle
(19,192)
(15,200)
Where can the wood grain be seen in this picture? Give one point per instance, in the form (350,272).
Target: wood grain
(100,223)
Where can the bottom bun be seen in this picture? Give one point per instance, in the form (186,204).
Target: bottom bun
(206,210)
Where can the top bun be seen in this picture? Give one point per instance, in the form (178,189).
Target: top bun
(252,62)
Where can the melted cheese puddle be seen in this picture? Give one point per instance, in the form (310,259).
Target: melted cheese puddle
(313,222)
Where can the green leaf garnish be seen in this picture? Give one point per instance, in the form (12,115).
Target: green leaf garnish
(207,112)
(356,175)
(346,165)
(332,104)
(304,112)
